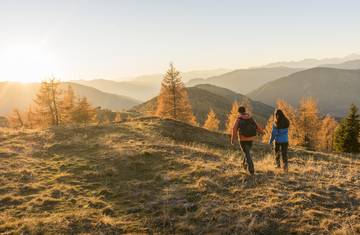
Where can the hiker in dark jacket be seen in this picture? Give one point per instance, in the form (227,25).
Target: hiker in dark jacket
(280,134)
(245,128)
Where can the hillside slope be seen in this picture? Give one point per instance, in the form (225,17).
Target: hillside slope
(19,95)
(160,176)
(204,97)
(335,89)
(245,80)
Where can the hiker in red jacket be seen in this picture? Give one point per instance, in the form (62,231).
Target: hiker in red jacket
(245,128)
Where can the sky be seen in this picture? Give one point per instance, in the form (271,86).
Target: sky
(75,39)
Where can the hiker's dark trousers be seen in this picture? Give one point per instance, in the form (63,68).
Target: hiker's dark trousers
(246,148)
(281,149)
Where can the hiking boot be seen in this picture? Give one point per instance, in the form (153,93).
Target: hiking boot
(244,166)
(286,168)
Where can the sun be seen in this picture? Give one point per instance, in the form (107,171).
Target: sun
(26,63)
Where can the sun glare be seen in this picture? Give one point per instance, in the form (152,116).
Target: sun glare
(26,63)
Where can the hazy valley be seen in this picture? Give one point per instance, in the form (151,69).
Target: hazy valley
(20,96)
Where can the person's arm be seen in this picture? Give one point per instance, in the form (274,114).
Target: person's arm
(259,129)
(234,133)
(273,134)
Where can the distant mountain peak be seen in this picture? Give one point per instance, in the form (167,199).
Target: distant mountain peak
(245,80)
(312,62)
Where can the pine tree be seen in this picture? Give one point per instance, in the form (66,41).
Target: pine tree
(68,105)
(309,122)
(16,119)
(173,100)
(212,123)
(290,113)
(47,100)
(83,112)
(232,116)
(326,133)
(347,134)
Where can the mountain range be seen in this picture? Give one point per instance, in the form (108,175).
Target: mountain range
(204,97)
(334,89)
(185,76)
(310,63)
(241,80)
(245,80)
(351,64)
(20,95)
(146,86)
(335,84)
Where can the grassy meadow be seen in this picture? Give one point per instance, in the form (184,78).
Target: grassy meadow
(154,176)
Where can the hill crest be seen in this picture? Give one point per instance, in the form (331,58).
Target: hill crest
(206,96)
(149,175)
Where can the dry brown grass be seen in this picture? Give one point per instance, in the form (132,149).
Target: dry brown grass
(160,176)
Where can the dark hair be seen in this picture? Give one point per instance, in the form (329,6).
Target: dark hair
(242,109)
(281,120)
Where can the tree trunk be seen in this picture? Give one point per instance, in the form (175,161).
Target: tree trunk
(19,118)
(174,98)
(53,93)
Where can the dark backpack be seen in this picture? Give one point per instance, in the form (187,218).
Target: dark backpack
(247,127)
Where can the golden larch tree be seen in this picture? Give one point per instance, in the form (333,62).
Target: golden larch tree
(47,102)
(83,112)
(268,129)
(68,105)
(173,101)
(232,117)
(118,117)
(16,119)
(193,121)
(326,133)
(291,114)
(309,122)
(30,118)
(55,94)
(212,123)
